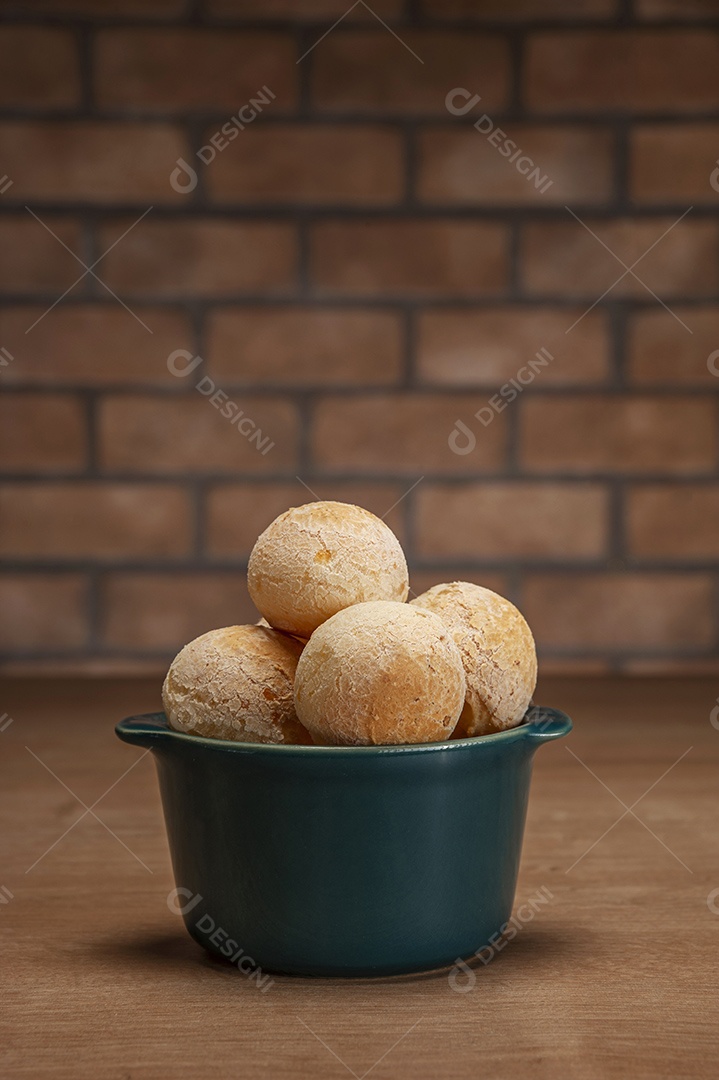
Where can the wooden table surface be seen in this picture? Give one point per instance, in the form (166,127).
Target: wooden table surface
(616,976)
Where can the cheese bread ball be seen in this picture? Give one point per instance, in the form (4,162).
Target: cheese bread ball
(317,559)
(498,653)
(380,673)
(236,683)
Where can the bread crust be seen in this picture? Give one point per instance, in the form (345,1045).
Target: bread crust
(236,683)
(317,559)
(497,650)
(380,673)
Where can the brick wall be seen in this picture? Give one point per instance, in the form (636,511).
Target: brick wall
(361,269)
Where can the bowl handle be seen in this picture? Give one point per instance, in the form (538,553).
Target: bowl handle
(147,730)
(544,724)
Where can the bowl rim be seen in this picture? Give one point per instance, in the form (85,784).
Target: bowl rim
(540,723)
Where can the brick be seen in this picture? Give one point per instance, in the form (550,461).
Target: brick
(370,70)
(566,259)
(70,666)
(39,67)
(43,611)
(674,164)
(668,667)
(683,9)
(458,347)
(89,161)
(620,611)
(674,521)
(94,521)
(138,9)
(179,68)
(199,257)
(309,164)
(403,433)
(465,167)
(165,611)
(518,9)
(421,580)
(84,666)
(613,434)
(310,10)
(189,434)
(44,432)
(238,513)
(661,351)
(92,345)
(645,70)
(520,520)
(33,259)
(410,257)
(304,346)
(569,665)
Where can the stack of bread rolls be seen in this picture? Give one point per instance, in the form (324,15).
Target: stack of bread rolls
(339,658)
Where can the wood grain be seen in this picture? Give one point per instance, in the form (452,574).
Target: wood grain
(614,977)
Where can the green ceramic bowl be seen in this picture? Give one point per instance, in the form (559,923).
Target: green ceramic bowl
(319,860)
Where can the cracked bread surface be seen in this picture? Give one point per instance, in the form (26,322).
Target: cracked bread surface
(317,559)
(236,683)
(380,673)
(497,650)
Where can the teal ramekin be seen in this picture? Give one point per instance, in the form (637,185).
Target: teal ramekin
(345,861)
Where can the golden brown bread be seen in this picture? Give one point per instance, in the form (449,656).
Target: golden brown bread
(380,673)
(497,650)
(314,560)
(236,683)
